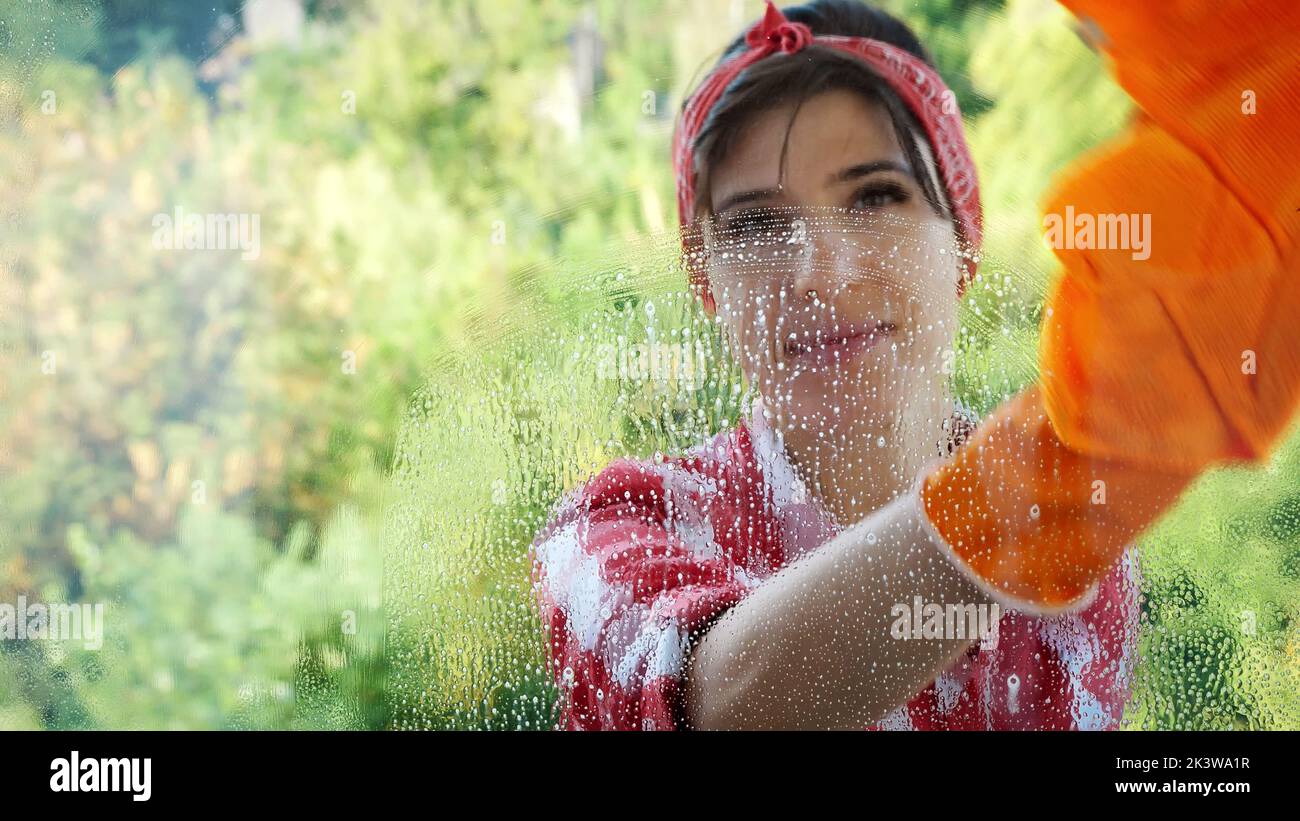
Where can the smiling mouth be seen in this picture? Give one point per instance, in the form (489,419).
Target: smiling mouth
(824,347)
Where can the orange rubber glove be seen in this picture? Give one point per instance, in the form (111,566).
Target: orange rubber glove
(1152,369)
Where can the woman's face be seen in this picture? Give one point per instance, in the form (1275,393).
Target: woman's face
(837,283)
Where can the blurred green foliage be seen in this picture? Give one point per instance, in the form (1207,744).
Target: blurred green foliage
(252,461)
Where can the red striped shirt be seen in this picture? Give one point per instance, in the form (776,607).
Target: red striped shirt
(643,557)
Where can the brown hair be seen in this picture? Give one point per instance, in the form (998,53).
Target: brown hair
(812,71)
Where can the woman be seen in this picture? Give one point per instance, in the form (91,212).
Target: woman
(792,572)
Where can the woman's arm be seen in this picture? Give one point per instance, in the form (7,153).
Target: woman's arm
(1014,517)
(813,647)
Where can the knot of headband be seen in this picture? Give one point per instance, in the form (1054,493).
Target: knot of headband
(775,33)
(917,85)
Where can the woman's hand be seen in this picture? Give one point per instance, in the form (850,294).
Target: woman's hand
(1154,365)
(1184,356)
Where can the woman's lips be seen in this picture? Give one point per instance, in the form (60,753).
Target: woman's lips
(836,346)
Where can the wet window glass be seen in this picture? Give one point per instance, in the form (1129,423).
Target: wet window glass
(592,365)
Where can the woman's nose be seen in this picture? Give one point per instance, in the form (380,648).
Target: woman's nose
(810,288)
(815,265)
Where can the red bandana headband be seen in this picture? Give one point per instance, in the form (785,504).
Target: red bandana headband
(919,86)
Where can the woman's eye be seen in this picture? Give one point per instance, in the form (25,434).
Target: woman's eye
(880,196)
(747,223)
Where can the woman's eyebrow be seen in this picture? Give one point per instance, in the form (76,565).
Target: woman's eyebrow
(844,175)
(746,196)
(863,169)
